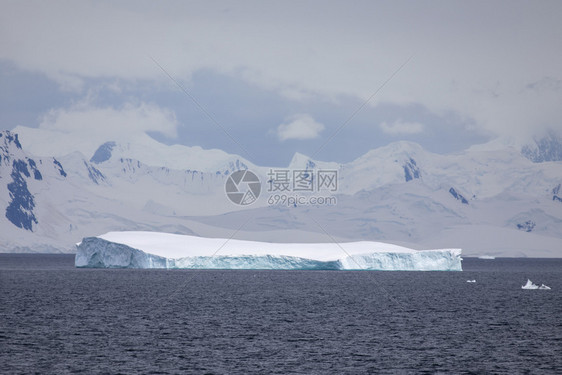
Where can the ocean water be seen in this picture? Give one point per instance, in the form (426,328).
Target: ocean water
(55,319)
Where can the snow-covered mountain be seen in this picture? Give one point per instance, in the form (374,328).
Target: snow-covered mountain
(486,200)
(140,147)
(547,148)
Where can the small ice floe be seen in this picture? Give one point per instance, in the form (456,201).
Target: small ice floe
(530,285)
(470,281)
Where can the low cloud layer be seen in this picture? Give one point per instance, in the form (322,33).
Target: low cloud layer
(401,128)
(85,127)
(300,126)
(497,64)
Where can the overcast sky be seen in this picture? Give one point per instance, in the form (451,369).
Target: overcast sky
(280,77)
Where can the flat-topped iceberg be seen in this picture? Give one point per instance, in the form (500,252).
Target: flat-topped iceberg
(164,250)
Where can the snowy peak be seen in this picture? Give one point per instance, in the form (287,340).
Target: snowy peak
(399,162)
(405,158)
(301,161)
(152,153)
(10,147)
(547,148)
(411,170)
(9,139)
(103,153)
(22,202)
(21,172)
(139,147)
(395,150)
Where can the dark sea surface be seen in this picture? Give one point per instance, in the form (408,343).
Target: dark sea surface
(55,319)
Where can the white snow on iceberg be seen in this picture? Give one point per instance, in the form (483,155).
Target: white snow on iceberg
(164,250)
(530,285)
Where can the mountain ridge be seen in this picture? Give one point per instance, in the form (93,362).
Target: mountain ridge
(399,193)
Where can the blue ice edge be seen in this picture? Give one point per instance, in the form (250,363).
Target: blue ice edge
(95,252)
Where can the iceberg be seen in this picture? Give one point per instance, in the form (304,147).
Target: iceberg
(173,251)
(530,285)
